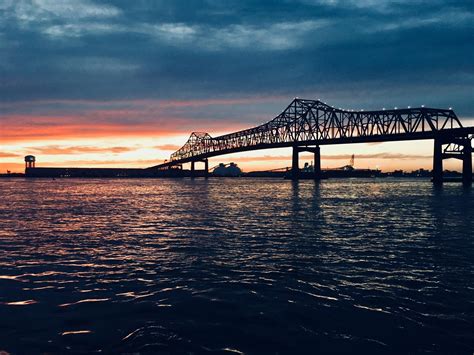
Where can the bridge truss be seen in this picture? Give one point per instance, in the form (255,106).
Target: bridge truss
(314,122)
(306,123)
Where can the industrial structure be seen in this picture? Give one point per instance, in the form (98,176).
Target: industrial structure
(227,170)
(30,161)
(305,125)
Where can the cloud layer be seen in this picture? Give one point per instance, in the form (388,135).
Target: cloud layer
(98,69)
(147,49)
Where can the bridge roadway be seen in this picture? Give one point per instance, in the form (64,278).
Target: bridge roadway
(306,125)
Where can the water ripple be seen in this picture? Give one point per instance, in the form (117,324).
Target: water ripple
(236,266)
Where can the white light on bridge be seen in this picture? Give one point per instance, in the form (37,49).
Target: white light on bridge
(409,106)
(395,108)
(450,108)
(422,105)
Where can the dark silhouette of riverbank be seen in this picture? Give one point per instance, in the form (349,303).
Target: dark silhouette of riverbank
(181,173)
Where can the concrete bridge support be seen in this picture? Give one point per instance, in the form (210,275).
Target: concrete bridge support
(317,163)
(438,162)
(467,163)
(206,168)
(458,148)
(295,170)
(192,169)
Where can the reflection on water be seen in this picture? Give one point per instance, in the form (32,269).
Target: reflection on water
(236,265)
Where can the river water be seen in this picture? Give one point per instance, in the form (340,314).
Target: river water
(236,265)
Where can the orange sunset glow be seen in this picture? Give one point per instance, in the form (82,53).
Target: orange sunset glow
(142,133)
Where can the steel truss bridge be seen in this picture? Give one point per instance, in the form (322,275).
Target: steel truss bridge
(305,125)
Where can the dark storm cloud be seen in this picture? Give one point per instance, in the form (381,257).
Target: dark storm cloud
(364,52)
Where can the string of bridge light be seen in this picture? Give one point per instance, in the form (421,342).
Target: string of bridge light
(361,110)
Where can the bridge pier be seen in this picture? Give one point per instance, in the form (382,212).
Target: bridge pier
(438,161)
(467,163)
(192,170)
(295,169)
(457,148)
(317,163)
(206,168)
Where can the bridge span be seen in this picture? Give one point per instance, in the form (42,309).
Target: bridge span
(305,125)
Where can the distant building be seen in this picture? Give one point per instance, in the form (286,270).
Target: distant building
(397,173)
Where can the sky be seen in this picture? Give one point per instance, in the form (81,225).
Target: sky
(123,83)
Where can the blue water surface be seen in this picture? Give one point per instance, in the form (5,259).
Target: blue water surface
(236,266)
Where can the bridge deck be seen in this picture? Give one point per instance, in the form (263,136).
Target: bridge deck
(309,122)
